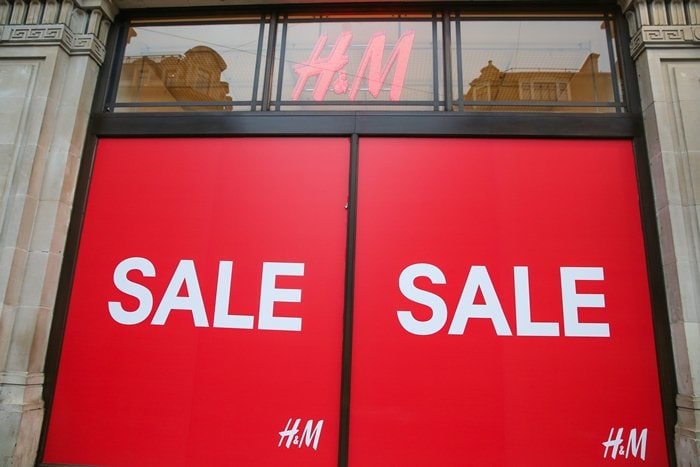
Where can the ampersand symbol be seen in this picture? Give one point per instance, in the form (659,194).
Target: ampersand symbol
(340,85)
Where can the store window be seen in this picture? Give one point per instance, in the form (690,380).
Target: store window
(555,64)
(186,67)
(372,62)
(346,62)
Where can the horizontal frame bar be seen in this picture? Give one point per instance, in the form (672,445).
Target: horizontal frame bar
(486,124)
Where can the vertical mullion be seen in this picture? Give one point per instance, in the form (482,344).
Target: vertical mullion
(115,63)
(346,365)
(627,67)
(269,60)
(613,66)
(280,74)
(460,75)
(447,59)
(256,77)
(436,81)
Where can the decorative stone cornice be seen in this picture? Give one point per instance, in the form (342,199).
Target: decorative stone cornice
(79,27)
(662,23)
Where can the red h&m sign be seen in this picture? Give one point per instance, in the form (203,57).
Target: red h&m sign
(370,68)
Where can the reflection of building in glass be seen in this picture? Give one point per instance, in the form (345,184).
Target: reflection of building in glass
(587,84)
(194,76)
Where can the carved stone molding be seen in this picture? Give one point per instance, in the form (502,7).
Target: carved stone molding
(79,27)
(662,23)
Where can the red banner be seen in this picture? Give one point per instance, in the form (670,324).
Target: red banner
(502,313)
(205,323)
(501,306)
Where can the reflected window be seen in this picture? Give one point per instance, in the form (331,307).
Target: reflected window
(535,65)
(214,67)
(534,90)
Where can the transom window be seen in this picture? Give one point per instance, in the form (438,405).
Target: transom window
(283,62)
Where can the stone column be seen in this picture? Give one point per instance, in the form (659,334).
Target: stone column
(665,44)
(50,54)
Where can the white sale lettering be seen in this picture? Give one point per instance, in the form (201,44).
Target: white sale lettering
(186,274)
(478,279)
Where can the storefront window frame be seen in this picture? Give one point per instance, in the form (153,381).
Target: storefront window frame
(355,124)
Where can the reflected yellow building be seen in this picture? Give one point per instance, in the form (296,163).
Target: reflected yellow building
(194,76)
(587,84)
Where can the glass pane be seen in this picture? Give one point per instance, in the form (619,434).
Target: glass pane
(560,65)
(351,64)
(190,67)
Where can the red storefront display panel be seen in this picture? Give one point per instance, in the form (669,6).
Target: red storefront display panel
(502,312)
(205,321)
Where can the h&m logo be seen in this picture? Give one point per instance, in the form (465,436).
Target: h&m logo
(326,68)
(310,436)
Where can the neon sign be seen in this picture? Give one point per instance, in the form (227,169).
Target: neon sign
(325,69)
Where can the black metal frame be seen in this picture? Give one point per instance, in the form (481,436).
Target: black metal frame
(349,306)
(355,125)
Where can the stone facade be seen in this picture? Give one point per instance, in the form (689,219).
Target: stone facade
(665,43)
(50,54)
